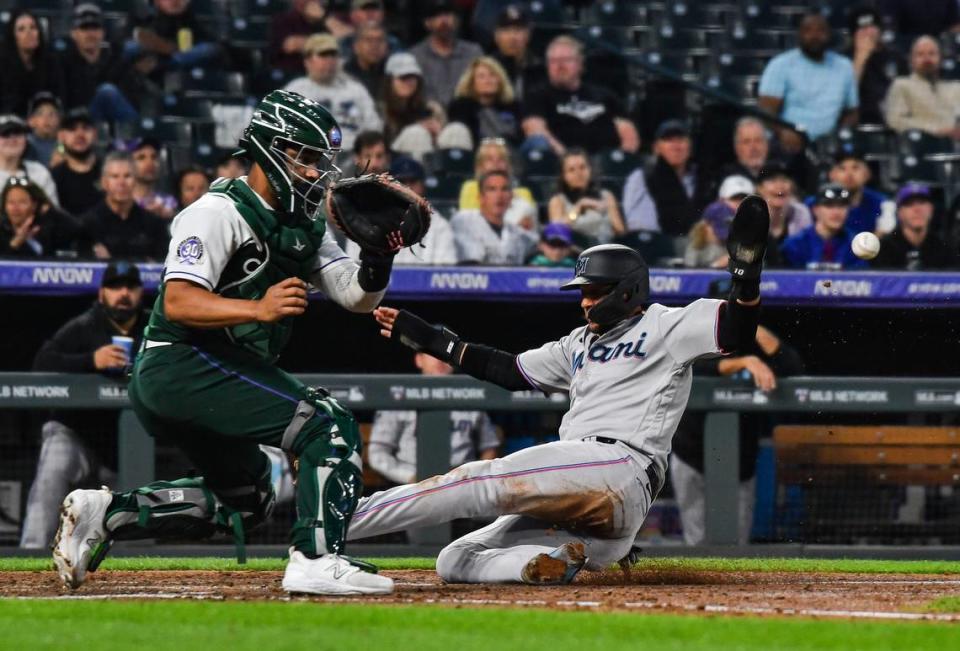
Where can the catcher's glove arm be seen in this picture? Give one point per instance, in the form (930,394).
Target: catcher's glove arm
(746,244)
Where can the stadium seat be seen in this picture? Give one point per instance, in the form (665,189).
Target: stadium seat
(695,14)
(540,163)
(616,14)
(732,63)
(616,163)
(204,83)
(262,8)
(548,12)
(248,32)
(176,133)
(675,39)
(443,188)
(869,139)
(185,109)
(450,162)
(920,143)
(602,38)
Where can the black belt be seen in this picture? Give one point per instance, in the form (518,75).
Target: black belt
(652,475)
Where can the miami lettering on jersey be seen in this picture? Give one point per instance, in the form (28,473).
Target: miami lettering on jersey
(604,354)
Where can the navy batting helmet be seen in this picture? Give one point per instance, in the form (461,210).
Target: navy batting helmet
(619,266)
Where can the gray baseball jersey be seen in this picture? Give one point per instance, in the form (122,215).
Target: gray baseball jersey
(478,241)
(631,383)
(392,450)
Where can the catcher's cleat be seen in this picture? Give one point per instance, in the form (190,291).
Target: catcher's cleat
(82,539)
(331,574)
(559,567)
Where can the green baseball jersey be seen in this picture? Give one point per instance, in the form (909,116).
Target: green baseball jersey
(232,243)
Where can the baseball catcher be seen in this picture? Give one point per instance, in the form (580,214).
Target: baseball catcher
(579,501)
(240,263)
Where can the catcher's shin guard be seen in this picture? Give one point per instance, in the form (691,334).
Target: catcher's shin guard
(326,440)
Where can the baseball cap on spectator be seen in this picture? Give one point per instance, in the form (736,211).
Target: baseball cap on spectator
(11,124)
(735,186)
(87,15)
(406,169)
(863,16)
(42,98)
(121,273)
(672,129)
(773,170)
(365,4)
(848,153)
(913,191)
(402,64)
(832,194)
(76,116)
(512,16)
(557,234)
(320,43)
(437,7)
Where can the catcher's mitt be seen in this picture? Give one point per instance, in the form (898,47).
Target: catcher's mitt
(378,212)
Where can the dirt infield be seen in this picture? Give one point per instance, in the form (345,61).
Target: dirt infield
(883,596)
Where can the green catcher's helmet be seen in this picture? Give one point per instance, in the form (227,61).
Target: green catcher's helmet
(290,137)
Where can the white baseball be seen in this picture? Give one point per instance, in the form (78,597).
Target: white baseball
(865,245)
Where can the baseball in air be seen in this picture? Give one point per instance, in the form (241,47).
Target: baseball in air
(865,245)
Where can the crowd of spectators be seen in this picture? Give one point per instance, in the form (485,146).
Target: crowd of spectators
(92,165)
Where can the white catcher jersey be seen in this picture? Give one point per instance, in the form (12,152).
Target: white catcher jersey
(631,383)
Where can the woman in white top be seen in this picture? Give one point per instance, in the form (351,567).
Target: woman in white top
(588,209)
(13,144)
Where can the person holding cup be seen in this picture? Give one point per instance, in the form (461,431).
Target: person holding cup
(79,448)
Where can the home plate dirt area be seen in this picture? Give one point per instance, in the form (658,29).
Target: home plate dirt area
(778,594)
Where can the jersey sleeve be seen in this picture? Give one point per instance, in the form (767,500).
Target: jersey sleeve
(691,332)
(202,239)
(549,367)
(335,274)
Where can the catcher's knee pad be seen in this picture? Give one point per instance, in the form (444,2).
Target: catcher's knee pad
(330,475)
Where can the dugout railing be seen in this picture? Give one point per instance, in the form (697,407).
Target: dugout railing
(434,397)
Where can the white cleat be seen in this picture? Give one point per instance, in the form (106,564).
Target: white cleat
(82,538)
(331,574)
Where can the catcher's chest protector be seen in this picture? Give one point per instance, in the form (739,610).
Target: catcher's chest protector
(283,251)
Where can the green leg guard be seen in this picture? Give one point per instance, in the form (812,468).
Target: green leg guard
(330,481)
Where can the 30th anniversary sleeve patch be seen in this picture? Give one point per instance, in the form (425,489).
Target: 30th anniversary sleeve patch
(190,250)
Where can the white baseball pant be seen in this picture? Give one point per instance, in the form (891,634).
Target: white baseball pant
(547,495)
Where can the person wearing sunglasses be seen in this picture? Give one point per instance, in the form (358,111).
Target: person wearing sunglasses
(825,244)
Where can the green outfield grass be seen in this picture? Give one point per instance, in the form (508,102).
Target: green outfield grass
(663,564)
(180,626)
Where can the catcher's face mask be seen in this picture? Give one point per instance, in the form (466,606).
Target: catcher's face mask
(310,171)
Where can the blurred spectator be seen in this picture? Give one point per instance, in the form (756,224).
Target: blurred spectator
(95,74)
(145,153)
(79,447)
(368,59)
(78,172)
(923,100)
(191,184)
(708,237)
(43,118)
(493,156)
(230,167)
(483,236)
(874,64)
(370,153)
(437,246)
(590,211)
(668,197)
(555,248)
(912,245)
(414,125)
(511,41)
(442,55)
(171,32)
(827,242)
(345,97)
(869,210)
(28,65)
(392,449)
(31,227)
(768,358)
(788,215)
(289,31)
(367,13)
(809,86)
(751,145)
(932,17)
(13,146)
(566,112)
(118,227)
(485,103)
